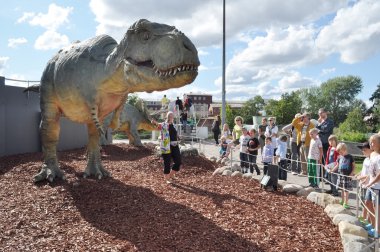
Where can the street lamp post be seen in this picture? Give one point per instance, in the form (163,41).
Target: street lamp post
(224,66)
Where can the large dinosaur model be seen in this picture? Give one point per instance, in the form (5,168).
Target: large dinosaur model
(132,118)
(88,80)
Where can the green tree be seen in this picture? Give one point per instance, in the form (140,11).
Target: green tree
(354,122)
(374,111)
(285,108)
(230,116)
(336,95)
(132,99)
(252,108)
(353,128)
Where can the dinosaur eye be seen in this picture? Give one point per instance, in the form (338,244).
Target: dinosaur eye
(145,35)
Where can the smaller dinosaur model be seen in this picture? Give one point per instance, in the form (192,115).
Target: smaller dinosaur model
(132,119)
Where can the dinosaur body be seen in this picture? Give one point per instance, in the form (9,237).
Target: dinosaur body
(88,80)
(132,119)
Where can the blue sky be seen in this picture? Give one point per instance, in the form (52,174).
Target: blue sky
(273,46)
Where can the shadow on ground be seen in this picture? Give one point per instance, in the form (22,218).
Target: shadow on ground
(149,222)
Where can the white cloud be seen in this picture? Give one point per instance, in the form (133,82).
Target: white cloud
(51,40)
(17,83)
(3,63)
(202,52)
(14,42)
(52,20)
(269,56)
(295,81)
(326,71)
(202,20)
(353,34)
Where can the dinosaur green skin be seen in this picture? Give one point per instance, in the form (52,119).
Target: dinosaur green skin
(88,80)
(132,119)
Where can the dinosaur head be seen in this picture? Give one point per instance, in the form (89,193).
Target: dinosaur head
(157,57)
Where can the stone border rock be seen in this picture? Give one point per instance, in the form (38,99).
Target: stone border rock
(354,236)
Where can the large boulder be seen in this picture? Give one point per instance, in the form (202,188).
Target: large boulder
(305,191)
(247,175)
(346,238)
(348,228)
(322,199)
(219,171)
(355,247)
(347,218)
(227,173)
(292,188)
(334,209)
(281,184)
(236,167)
(237,174)
(213,159)
(189,151)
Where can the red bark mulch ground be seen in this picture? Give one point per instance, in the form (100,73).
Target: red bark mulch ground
(135,211)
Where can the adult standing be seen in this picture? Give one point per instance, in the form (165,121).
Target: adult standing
(294,147)
(303,125)
(179,103)
(169,146)
(216,129)
(325,126)
(164,102)
(262,128)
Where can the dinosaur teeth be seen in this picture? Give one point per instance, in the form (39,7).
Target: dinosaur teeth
(174,71)
(179,69)
(183,68)
(170,72)
(188,68)
(159,73)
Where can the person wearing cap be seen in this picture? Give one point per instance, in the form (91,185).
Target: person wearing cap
(303,125)
(363,178)
(325,126)
(294,147)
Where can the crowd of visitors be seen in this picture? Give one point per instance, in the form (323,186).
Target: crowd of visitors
(315,152)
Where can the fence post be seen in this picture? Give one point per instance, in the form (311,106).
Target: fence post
(357,201)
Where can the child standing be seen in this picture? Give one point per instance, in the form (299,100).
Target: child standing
(237,130)
(267,154)
(223,147)
(282,148)
(314,158)
(345,167)
(331,157)
(363,178)
(253,147)
(374,179)
(243,140)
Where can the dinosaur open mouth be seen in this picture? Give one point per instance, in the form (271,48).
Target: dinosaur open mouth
(172,71)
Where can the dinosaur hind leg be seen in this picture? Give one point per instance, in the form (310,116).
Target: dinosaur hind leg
(49,130)
(94,164)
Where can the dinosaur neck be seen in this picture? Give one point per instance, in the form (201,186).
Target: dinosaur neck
(117,55)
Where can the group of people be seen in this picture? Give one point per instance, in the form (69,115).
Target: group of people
(315,152)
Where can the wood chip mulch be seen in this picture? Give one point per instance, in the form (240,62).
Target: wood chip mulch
(136,211)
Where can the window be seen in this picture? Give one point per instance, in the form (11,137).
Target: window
(204,98)
(195,98)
